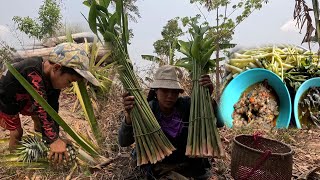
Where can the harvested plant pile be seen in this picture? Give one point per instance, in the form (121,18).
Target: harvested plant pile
(292,64)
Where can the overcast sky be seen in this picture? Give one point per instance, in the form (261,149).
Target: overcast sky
(272,24)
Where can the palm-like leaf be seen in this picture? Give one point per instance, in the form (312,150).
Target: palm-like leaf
(86,94)
(185,63)
(31,149)
(87,107)
(185,47)
(152,58)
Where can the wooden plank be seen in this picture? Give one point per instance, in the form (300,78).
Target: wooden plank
(77,37)
(44,53)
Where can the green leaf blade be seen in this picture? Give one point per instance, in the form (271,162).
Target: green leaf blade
(50,110)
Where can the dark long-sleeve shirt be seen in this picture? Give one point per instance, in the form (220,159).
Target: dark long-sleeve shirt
(126,136)
(14,97)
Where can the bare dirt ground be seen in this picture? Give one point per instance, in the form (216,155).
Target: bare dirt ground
(305,143)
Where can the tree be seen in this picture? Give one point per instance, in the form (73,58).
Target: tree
(165,48)
(302,16)
(6,54)
(226,23)
(132,9)
(45,25)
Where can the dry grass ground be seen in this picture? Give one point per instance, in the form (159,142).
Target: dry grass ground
(305,144)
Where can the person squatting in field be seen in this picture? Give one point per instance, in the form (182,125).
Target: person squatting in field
(65,64)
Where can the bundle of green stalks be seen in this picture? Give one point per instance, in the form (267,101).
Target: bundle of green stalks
(203,137)
(151,143)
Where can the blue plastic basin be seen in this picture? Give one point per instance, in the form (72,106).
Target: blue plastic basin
(313,82)
(240,83)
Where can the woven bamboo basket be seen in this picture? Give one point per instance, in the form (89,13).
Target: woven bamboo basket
(258,158)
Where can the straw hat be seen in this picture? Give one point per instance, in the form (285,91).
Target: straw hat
(166,77)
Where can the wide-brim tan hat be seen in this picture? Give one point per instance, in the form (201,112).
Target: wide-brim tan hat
(166,77)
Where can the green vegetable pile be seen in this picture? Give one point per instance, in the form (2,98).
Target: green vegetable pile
(292,64)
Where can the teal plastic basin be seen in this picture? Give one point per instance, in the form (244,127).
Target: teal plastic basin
(240,83)
(313,82)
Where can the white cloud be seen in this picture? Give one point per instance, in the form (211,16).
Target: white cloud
(289,26)
(4,30)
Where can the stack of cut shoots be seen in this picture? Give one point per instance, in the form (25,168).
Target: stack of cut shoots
(203,137)
(151,143)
